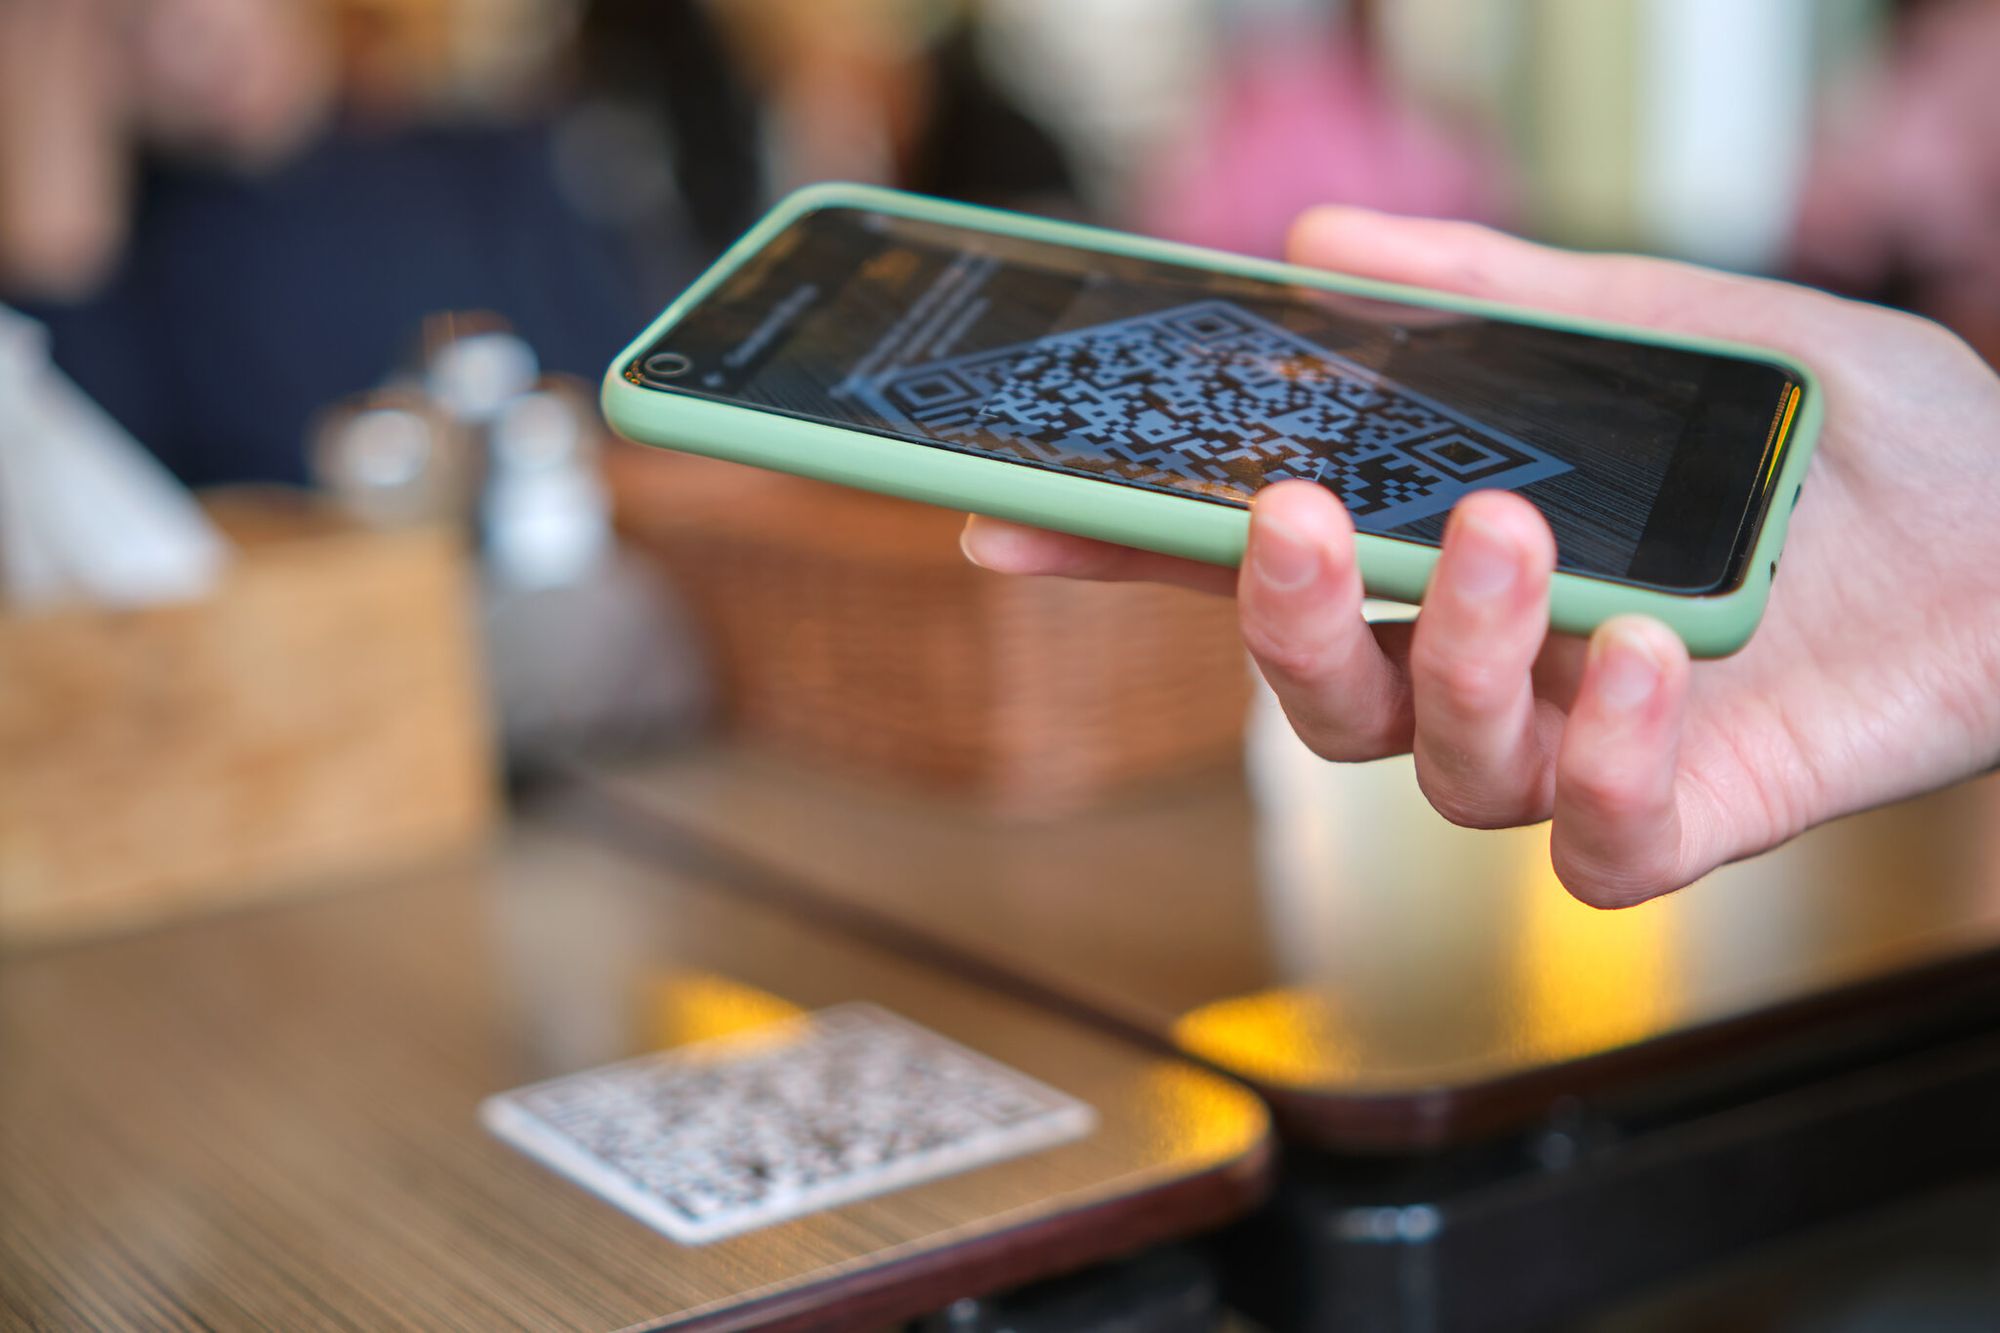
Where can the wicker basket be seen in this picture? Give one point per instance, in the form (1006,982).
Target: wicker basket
(849,628)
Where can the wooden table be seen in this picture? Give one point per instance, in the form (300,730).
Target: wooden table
(1390,981)
(266,1120)
(1514,1108)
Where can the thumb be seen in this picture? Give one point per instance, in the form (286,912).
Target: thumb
(1477,261)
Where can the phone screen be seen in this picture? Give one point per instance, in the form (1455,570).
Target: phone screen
(1653,464)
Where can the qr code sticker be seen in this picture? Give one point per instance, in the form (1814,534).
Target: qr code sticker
(713,1139)
(1216,397)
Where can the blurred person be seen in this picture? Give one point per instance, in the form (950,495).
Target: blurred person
(689,117)
(221,244)
(663,132)
(1903,199)
(890,92)
(63,187)
(1874,676)
(238,81)
(1302,114)
(1112,79)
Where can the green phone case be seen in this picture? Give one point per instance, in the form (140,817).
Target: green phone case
(1711,625)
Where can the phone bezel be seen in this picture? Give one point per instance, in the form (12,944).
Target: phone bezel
(1704,519)
(1711,624)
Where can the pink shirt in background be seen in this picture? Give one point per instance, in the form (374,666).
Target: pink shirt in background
(1304,119)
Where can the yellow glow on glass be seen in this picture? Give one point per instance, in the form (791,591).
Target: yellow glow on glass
(1195,1116)
(1590,979)
(1282,1037)
(1782,435)
(683,1007)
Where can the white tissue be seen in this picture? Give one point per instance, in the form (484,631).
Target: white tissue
(86,514)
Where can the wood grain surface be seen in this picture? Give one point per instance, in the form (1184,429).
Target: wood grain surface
(1389,980)
(319,716)
(267,1120)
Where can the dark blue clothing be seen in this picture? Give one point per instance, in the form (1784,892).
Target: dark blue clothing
(247,304)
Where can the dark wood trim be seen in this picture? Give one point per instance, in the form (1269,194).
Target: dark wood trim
(1034,1250)
(1829,1029)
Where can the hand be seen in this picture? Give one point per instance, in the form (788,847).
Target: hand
(1875,674)
(63,164)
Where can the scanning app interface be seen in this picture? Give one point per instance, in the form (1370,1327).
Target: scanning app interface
(1196,382)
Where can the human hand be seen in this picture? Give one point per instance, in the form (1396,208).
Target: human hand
(1875,674)
(63,168)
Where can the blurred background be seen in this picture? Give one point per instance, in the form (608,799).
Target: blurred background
(311,542)
(232,214)
(314,555)
(381,249)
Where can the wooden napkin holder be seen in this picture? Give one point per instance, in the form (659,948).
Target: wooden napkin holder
(319,718)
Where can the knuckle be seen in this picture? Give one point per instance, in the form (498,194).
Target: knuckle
(1473,247)
(1338,747)
(1605,887)
(1331,738)
(1462,683)
(1287,655)
(1471,815)
(1463,799)
(1604,790)
(1948,344)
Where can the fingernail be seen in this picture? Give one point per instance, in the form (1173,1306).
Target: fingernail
(1483,562)
(1282,559)
(1627,672)
(965,544)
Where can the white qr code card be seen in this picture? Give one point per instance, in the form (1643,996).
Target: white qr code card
(720,1137)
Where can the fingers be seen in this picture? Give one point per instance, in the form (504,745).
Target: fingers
(1477,261)
(1299,593)
(1489,752)
(1484,747)
(1618,826)
(1010,548)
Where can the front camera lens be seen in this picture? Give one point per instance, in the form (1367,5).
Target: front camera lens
(665,366)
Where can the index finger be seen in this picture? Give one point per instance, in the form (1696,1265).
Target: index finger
(1477,261)
(1013,548)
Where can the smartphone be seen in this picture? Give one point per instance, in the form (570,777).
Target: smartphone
(1142,393)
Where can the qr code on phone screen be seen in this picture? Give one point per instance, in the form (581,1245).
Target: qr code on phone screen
(1217,396)
(713,1139)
